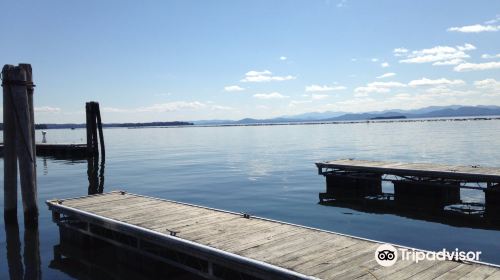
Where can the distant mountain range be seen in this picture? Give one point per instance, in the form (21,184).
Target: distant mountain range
(427,112)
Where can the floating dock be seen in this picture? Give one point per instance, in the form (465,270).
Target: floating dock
(58,150)
(217,244)
(415,184)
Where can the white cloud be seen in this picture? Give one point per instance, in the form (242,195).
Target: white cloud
(493,21)
(386,75)
(319,96)
(272,95)
(233,88)
(488,84)
(374,59)
(283,58)
(436,82)
(298,102)
(47,109)
(172,106)
(477,66)
(221,108)
(487,56)
(384,64)
(443,54)
(378,87)
(318,88)
(264,76)
(399,51)
(454,61)
(341,4)
(475,28)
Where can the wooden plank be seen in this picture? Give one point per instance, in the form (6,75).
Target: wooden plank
(457,272)
(436,270)
(280,232)
(481,272)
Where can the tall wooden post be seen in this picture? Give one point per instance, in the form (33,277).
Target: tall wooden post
(20,121)
(88,114)
(99,126)
(9,157)
(30,87)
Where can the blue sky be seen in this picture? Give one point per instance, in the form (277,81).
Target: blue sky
(193,60)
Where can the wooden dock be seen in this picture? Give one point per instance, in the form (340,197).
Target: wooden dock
(218,244)
(416,185)
(471,173)
(58,150)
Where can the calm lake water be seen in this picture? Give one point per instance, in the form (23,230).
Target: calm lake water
(269,171)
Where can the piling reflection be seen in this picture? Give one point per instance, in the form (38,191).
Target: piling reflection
(435,204)
(28,265)
(95,173)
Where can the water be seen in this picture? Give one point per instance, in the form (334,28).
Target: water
(269,171)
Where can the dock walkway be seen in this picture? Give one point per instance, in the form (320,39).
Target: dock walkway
(215,243)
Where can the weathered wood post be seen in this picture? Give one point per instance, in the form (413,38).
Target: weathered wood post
(88,113)
(9,157)
(20,121)
(30,87)
(99,126)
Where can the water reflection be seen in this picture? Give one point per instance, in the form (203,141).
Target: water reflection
(31,254)
(455,211)
(85,258)
(95,173)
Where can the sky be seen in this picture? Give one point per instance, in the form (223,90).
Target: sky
(191,60)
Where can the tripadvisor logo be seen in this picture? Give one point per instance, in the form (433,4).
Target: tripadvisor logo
(387,255)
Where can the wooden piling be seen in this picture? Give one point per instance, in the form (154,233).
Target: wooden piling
(24,145)
(88,114)
(30,87)
(10,157)
(99,126)
(18,138)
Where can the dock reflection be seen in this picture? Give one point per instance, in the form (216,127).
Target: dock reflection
(101,260)
(457,213)
(27,265)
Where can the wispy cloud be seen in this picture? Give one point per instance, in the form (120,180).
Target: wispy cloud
(489,56)
(400,51)
(342,4)
(435,82)
(464,67)
(377,87)
(487,26)
(315,96)
(386,75)
(264,76)
(173,106)
(272,95)
(476,28)
(233,88)
(283,58)
(47,109)
(384,64)
(324,88)
(439,55)
(490,85)
(374,59)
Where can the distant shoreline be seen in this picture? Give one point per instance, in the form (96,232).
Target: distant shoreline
(189,124)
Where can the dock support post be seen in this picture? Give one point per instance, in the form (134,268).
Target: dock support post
(20,118)
(10,157)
